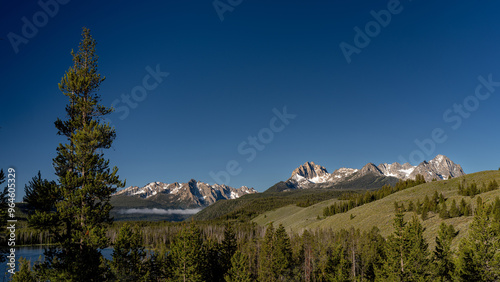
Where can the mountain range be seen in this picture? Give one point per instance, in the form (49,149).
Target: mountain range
(192,194)
(311,175)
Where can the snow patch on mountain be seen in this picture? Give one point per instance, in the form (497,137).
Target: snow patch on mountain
(441,167)
(192,193)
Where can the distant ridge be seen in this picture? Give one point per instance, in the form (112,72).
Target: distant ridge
(311,175)
(192,194)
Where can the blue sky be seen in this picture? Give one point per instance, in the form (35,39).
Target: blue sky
(227,79)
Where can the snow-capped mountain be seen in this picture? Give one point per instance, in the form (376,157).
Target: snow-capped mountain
(440,167)
(341,174)
(310,174)
(401,171)
(191,194)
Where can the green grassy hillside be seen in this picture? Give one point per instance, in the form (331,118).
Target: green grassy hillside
(251,205)
(282,194)
(381,213)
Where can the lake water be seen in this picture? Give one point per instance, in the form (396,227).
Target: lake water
(34,254)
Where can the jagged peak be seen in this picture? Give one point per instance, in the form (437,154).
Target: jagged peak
(370,167)
(310,170)
(440,158)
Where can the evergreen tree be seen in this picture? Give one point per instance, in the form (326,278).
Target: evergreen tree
(411,206)
(396,206)
(239,271)
(213,269)
(466,266)
(479,255)
(155,267)
(435,199)
(396,249)
(372,254)
(186,256)
(128,255)
(494,185)
(419,207)
(25,273)
(425,211)
(461,189)
(307,255)
(419,179)
(41,194)
(418,257)
(338,266)
(443,213)
(495,213)
(443,256)
(454,211)
(472,190)
(282,257)
(464,208)
(441,198)
(80,216)
(266,272)
(228,248)
(406,252)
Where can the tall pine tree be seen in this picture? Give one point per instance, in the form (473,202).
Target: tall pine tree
(479,253)
(239,271)
(80,216)
(187,257)
(128,255)
(266,255)
(407,252)
(396,249)
(41,194)
(228,248)
(282,257)
(443,256)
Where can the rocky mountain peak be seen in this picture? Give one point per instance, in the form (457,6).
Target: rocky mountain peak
(310,170)
(441,167)
(190,194)
(310,174)
(370,168)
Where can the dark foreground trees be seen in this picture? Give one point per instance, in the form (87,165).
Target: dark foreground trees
(4,205)
(407,252)
(208,252)
(75,211)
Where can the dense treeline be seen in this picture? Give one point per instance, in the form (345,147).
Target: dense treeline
(226,253)
(471,189)
(352,200)
(437,204)
(249,206)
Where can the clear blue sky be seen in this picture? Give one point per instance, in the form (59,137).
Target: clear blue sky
(226,77)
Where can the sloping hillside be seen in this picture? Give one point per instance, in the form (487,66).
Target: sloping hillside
(380,213)
(249,206)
